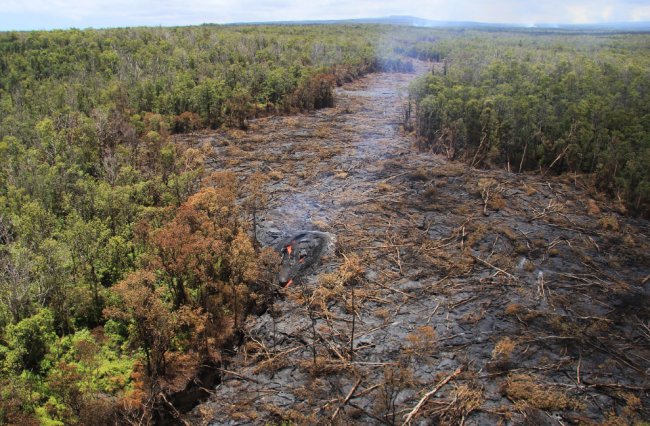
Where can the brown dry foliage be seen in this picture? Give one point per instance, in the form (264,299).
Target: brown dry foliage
(609,223)
(315,92)
(323,366)
(186,121)
(502,352)
(592,208)
(464,399)
(396,379)
(422,341)
(526,388)
(631,413)
(180,305)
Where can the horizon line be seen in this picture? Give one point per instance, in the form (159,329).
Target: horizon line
(642,25)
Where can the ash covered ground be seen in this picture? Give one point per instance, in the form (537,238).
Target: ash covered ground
(451,296)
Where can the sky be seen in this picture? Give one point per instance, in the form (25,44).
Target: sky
(49,14)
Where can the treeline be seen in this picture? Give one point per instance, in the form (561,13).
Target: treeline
(565,102)
(219,74)
(123,267)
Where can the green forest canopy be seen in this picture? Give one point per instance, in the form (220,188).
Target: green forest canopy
(576,102)
(123,265)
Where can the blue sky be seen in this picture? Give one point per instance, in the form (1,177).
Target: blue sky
(48,14)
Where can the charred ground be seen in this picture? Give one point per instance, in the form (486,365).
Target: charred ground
(524,298)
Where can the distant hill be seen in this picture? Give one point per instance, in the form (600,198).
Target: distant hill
(611,26)
(421,22)
(414,21)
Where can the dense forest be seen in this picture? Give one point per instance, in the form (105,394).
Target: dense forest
(122,264)
(558,102)
(125,267)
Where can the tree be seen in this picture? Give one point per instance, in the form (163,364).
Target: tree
(239,106)
(150,322)
(29,341)
(256,199)
(87,241)
(15,282)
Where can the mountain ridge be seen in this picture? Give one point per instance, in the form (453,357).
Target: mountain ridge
(414,21)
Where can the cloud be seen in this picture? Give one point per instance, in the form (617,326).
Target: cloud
(30,14)
(641,14)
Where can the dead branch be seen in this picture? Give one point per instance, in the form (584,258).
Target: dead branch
(393,289)
(423,400)
(462,302)
(556,160)
(347,399)
(540,285)
(523,156)
(241,376)
(552,207)
(495,268)
(368,413)
(376,364)
(174,411)
(617,386)
(433,313)
(478,151)
(367,391)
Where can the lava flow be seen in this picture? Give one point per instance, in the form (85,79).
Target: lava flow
(289,249)
(300,253)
